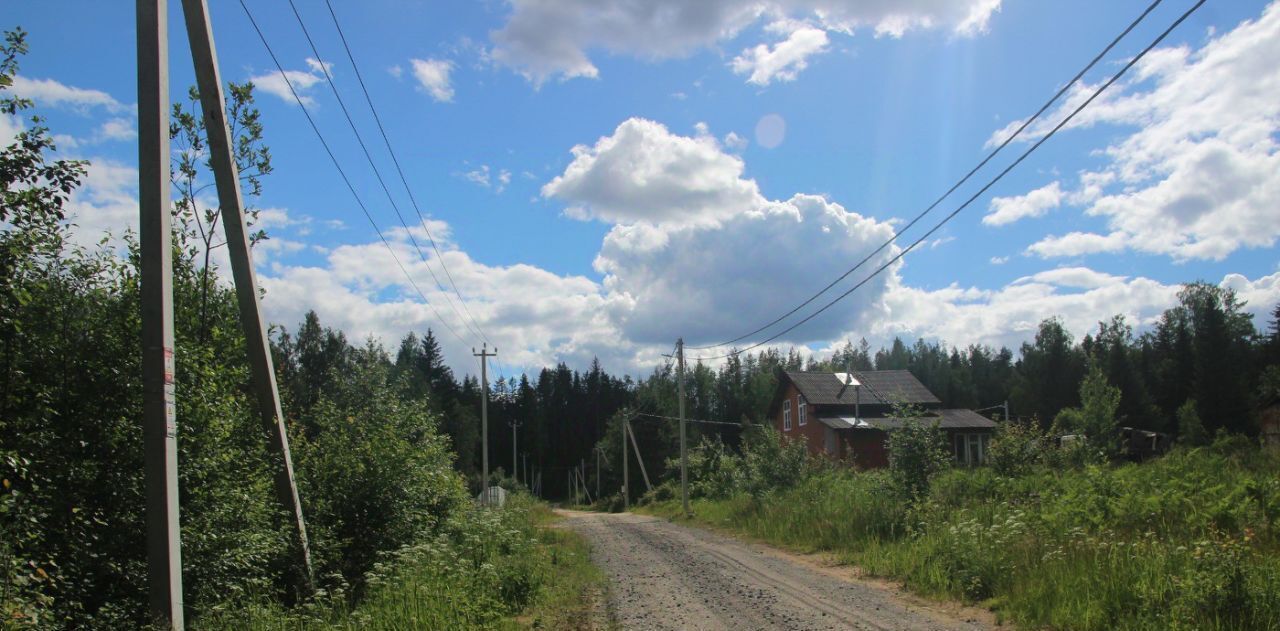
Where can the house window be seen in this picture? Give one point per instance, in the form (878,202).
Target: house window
(786,415)
(800,408)
(970,449)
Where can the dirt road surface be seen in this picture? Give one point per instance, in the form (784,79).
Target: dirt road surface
(666,576)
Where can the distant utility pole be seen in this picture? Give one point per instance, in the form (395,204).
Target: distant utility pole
(626,478)
(227,180)
(515,462)
(484,356)
(525,459)
(597,472)
(684,455)
(159,422)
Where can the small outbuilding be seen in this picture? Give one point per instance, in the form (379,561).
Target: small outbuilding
(849,416)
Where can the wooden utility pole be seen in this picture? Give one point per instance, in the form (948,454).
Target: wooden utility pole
(159,413)
(230,203)
(484,356)
(684,455)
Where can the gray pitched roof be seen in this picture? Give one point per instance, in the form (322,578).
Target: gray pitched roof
(879,387)
(946,419)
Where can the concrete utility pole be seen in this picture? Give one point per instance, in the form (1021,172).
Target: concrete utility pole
(597,472)
(226,177)
(525,459)
(159,422)
(639,459)
(1006,410)
(626,478)
(484,356)
(684,455)
(515,461)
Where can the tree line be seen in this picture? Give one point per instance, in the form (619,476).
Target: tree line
(1204,352)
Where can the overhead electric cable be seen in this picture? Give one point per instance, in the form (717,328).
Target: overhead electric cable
(698,420)
(953,188)
(378,173)
(342,173)
(396,161)
(975,196)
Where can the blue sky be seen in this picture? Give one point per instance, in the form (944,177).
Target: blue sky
(678,213)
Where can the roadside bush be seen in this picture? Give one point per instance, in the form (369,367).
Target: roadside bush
(483,565)
(376,475)
(714,470)
(1095,421)
(771,463)
(1018,447)
(917,452)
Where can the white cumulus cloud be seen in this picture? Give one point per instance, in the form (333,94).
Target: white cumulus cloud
(277,84)
(783,61)
(543,39)
(433,77)
(645,173)
(49,92)
(1197,175)
(1006,210)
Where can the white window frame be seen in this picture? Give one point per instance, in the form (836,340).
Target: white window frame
(786,415)
(801,405)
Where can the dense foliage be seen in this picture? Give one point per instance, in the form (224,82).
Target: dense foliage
(375,473)
(481,569)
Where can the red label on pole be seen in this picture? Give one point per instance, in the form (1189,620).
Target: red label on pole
(168,366)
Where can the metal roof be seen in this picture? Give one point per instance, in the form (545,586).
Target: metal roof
(879,387)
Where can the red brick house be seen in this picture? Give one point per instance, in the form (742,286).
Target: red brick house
(850,415)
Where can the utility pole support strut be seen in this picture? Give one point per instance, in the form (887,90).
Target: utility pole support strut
(231,205)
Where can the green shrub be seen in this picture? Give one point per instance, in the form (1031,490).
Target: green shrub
(1191,430)
(917,452)
(771,463)
(1018,447)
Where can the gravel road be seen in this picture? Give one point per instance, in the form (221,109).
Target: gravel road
(666,576)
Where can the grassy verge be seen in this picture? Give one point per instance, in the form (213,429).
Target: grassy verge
(1191,540)
(496,569)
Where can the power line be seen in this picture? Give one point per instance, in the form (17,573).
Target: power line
(953,188)
(698,420)
(394,160)
(376,172)
(343,173)
(975,196)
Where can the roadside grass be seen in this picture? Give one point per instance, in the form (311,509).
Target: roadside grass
(1190,540)
(497,569)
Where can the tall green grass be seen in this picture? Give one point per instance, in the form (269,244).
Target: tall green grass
(1191,540)
(498,569)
